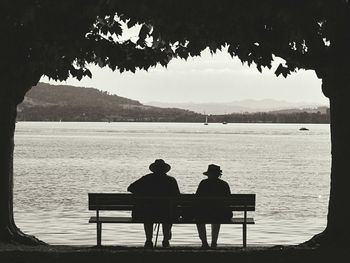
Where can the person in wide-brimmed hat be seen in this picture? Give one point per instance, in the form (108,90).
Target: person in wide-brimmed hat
(157,183)
(159,166)
(212,186)
(213,170)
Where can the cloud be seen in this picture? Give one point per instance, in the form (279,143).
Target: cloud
(214,78)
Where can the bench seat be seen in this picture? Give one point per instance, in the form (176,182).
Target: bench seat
(129,220)
(99,202)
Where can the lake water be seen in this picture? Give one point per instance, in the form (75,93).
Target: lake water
(57,164)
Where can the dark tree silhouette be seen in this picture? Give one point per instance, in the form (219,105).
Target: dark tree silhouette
(56,39)
(59,38)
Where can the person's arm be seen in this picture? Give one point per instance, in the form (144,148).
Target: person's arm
(134,187)
(228,189)
(131,188)
(176,188)
(199,189)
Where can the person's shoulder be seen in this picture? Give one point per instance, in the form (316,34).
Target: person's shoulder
(170,178)
(204,181)
(226,185)
(146,176)
(222,181)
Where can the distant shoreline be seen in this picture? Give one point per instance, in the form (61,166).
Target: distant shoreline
(69,121)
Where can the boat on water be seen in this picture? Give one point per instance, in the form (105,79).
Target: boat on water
(206,120)
(303,129)
(224,122)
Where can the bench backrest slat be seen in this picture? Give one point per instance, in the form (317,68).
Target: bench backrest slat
(126,201)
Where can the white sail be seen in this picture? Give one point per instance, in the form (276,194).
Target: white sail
(206,120)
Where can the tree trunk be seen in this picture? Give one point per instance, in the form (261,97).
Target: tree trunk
(338,218)
(9,233)
(337,232)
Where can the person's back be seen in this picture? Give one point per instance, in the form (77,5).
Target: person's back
(213,187)
(155,184)
(212,211)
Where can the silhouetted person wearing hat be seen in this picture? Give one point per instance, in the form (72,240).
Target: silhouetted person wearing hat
(212,211)
(157,183)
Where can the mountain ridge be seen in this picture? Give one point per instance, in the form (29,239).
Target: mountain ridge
(47,102)
(242,106)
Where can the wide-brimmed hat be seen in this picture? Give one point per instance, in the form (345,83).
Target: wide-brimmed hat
(213,169)
(159,166)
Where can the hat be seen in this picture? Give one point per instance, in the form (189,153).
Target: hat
(159,166)
(213,169)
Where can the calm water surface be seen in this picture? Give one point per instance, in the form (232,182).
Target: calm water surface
(57,164)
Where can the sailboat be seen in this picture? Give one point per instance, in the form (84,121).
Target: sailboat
(225,117)
(206,120)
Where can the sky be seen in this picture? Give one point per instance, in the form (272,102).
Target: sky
(208,78)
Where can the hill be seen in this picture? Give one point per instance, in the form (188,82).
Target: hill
(243,106)
(320,109)
(46,102)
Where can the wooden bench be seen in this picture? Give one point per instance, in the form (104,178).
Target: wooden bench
(125,202)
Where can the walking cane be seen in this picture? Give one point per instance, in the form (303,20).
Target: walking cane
(156,226)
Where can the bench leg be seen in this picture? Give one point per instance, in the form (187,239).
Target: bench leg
(99,233)
(244,235)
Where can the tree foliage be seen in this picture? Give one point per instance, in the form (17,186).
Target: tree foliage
(60,38)
(306,34)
